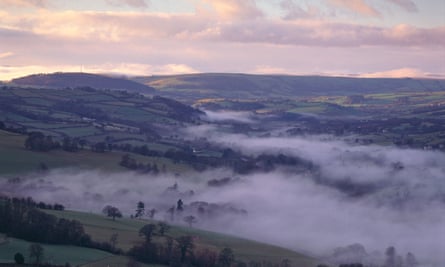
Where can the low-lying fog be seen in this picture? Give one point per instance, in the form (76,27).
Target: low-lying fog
(405,208)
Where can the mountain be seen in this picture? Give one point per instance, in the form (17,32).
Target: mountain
(248,86)
(77,79)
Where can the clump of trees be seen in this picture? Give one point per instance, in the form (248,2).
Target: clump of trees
(178,251)
(37,141)
(130,162)
(21,218)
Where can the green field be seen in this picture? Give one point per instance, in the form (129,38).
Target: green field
(55,254)
(15,159)
(101,229)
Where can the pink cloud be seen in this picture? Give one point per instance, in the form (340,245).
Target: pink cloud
(357,6)
(397,73)
(121,27)
(231,9)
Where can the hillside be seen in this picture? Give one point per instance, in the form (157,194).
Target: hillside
(247,86)
(101,228)
(76,79)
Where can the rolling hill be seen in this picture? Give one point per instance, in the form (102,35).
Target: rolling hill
(247,86)
(76,79)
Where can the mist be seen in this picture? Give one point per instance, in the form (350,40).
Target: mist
(228,116)
(303,211)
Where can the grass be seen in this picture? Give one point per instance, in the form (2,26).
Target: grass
(101,229)
(15,159)
(115,261)
(56,254)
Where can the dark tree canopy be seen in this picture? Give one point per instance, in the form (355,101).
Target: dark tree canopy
(147,231)
(19,258)
(111,211)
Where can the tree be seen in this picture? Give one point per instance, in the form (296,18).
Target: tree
(19,258)
(410,260)
(190,220)
(185,245)
(133,263)
(390,260)
(151,213)
(147,231)
(285,263)
(171,211)
(36,252)
(163,228)
(113,240)
(111,211)
(179,205)
(226,257)
(140,209)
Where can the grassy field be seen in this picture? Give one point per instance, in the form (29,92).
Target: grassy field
(101,229)
(52,253)
(115,261)
(15,159)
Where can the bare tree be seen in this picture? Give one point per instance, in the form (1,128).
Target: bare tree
(36,253)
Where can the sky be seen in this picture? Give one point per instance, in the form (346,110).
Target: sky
(364,38)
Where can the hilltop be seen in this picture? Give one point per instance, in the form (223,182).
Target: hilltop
(77,79)
(248,86)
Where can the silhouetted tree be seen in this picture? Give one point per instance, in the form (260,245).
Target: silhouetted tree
(163,228)
(140,209)
(147,231)
(19,258)
(111,211)
(185,245)
(179,205)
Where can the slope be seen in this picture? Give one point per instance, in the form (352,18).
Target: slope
(77,79)
(247,86)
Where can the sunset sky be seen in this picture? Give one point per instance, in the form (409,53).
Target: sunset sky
(367,38)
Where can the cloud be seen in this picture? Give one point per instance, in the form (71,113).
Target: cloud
(6,54)
(232,9)
(132,3)
(318,33)
(397,73)
(357,6)
(126,27)
(24,3)
(407,5)
(295,11)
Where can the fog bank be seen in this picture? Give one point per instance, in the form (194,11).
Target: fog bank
(405,207)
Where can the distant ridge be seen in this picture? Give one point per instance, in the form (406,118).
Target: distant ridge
(78,79)
(249,86)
